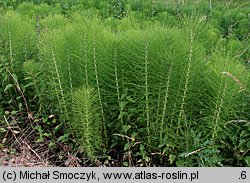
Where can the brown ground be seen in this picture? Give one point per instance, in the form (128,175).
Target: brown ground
(25,158)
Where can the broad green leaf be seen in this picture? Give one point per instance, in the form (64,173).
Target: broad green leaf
(13,112)
(125,163)
(126,146)
(47,134)
(8,87)
(18,97)
(171,158)
(125,128)
(165,150)
(54,121)
(52,144)
(2,130)
(40,140)
(63,138)
(39,128)
(45,120)
(142,148)
(121,115)
(160,145)
(133,135)
(15,77)
(248,144)
(247,160)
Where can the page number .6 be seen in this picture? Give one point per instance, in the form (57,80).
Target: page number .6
(243,175)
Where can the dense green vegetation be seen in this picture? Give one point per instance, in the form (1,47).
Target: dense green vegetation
(127,82)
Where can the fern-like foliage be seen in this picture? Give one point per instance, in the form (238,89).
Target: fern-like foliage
(230,92)
(17,45)
(156,80)
(52,55)
(87,122)
(163,71)
(17,39)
